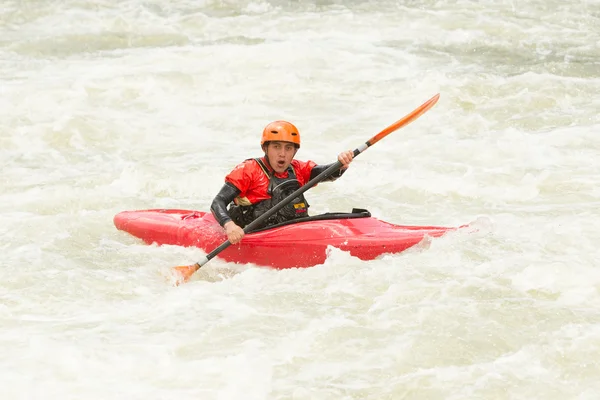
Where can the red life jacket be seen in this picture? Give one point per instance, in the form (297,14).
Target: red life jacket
(253,182)
(265,189)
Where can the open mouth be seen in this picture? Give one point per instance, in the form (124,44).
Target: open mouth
(280,163)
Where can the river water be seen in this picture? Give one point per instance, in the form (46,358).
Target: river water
(110,106)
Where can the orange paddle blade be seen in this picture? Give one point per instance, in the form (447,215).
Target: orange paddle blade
(184,272)
(406,120)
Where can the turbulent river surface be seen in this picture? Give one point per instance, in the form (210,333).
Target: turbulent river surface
(108,106)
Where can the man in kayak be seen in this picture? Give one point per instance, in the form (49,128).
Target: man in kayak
(256,185)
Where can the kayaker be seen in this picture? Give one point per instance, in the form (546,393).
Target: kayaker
(257,184)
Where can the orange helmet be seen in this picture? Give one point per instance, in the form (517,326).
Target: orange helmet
(281,131)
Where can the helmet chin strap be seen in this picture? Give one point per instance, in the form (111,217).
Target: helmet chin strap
(267,157)
(268,162)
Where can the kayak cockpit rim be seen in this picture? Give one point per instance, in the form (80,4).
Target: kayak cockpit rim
(355,213)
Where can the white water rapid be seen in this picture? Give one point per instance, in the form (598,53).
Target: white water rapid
(108,106)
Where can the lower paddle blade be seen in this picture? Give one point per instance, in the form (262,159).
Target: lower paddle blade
(183,273)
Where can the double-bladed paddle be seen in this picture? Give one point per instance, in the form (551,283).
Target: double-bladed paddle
(186,271)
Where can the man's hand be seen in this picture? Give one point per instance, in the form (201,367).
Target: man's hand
(345,158)
(234,232)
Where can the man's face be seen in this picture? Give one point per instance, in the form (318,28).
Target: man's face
(280,155)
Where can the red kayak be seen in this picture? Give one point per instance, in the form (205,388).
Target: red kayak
(301,243)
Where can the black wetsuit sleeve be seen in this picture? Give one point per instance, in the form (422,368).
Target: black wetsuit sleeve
(317,169)
(219,205)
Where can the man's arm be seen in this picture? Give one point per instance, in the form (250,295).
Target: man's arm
(317,169)
(344,157)
(219,205)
